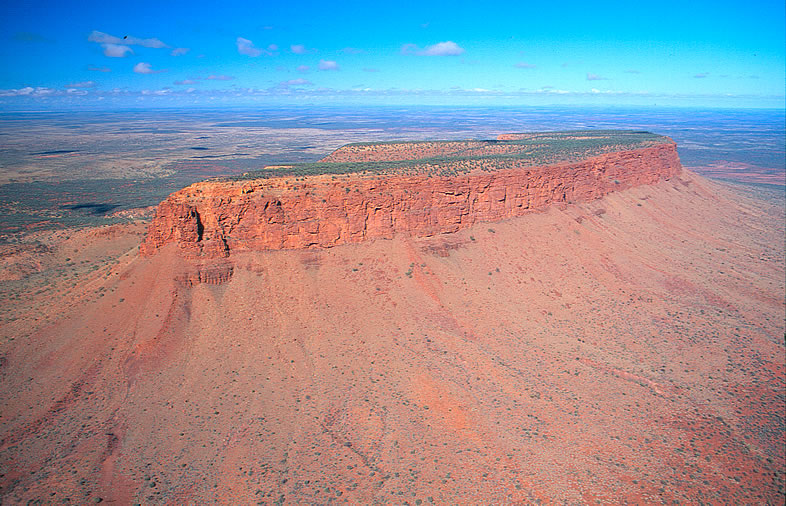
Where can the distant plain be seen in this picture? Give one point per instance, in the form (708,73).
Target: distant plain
(90,168)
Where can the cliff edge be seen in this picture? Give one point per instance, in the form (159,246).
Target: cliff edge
(377,190)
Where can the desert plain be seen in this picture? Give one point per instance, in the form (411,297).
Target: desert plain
(625,348)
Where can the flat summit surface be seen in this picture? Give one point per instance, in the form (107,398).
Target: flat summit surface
(454,157)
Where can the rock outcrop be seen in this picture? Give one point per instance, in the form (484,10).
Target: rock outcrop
(215,218)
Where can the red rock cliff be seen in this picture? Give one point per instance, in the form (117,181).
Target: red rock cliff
(212,219)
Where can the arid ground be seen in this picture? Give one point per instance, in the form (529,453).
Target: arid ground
(630,349)
(67,169)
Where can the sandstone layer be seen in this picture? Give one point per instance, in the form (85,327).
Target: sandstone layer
(212,219)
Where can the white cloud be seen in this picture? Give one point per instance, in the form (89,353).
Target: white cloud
(185,82)
(161,92)
(632,71)
(302,49)
(246,47)
(145,68)
(98,69)
(220,77)
(523,65)
(179,51)
(702,75)
(296,82)
(28,91)
(595,77)
(116,51)
(303,68)
(409,49)
(82,84)
(447,48)
(328,65)
(105,38)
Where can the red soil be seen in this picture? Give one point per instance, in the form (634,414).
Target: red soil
(627,349)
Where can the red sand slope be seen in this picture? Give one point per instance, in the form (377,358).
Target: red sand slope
(626,349)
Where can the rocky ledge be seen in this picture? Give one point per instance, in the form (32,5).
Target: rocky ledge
(212,219)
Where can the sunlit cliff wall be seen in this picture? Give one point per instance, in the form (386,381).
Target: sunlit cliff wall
(216,218)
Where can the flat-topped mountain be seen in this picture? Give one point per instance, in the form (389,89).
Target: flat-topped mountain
(377,190)
(615,337)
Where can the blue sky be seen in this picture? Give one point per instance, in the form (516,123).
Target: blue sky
(111,54)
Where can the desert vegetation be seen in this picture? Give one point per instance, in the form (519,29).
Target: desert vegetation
(449,158)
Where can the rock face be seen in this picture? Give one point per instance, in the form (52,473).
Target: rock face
(212,219)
